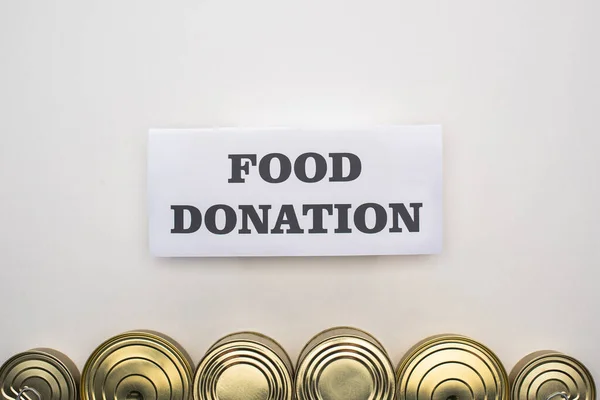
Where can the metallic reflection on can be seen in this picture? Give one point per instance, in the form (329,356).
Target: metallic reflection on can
(243,366)
(451,367)
(550,375)
(137,365)
(344,364)
(39,374)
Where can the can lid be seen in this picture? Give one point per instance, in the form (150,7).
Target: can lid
(243,366)
(450,367)
(137,365)
(550,375)
(338,366)
(39,374)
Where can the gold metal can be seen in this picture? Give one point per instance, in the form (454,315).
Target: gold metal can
(244,366)
(39,374)
(550,375)
(451,367)
(137,365)
(344,364)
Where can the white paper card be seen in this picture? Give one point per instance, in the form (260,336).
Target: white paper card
(294,192)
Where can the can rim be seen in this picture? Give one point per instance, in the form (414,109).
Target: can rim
(143,333)
(63,359)
(71,375)
(241,343)
(518,368)
(169,342)
(304,352)
(423,344)
(441,338)
(370,345)
(521,365)
(166,339)
(222,341)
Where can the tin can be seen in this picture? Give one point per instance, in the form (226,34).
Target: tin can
(344,364)
(243,366)
(550,375)
(137,365)
(451,367)
(39,374)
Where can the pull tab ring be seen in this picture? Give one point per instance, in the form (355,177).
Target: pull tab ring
(561,394)
(26,389)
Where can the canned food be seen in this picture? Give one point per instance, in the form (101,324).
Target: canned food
(451,367)
(344,364)
(244,366)
(550,375)
(137,365)
(39,374)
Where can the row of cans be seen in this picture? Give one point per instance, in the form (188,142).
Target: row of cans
(338,364)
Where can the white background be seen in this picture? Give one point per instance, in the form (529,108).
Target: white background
(515,84)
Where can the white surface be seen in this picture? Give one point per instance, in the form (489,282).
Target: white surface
(399,165)
(514,83)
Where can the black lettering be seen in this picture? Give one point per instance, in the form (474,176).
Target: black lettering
(320,167)
(338,166)
(249,212)
(317,214)
(237,167)
(412,224)
(210,219)
(342,211)
(287,215)
(360,220)
(195,219)
(285,168)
